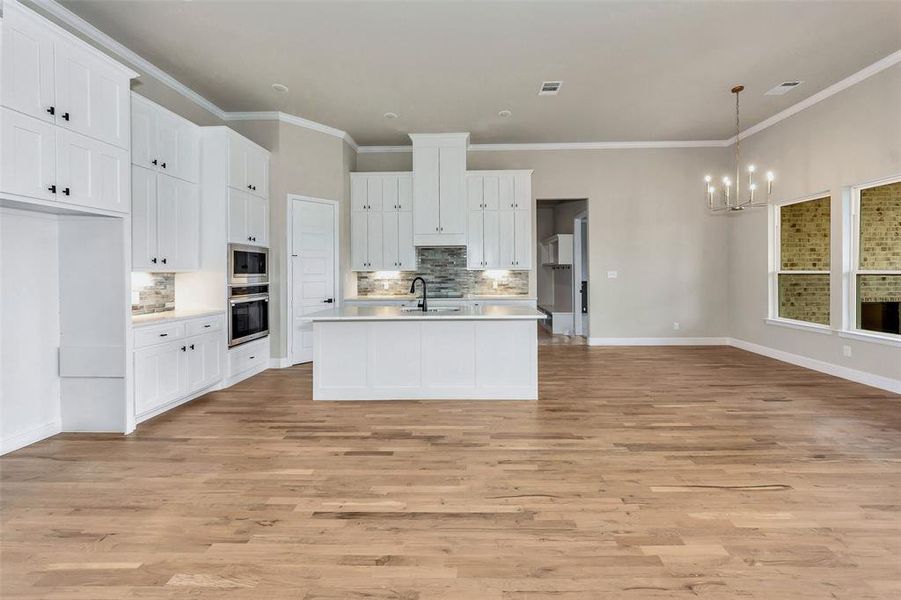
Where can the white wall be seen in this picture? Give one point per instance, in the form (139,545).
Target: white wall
(849,138)
(29,328)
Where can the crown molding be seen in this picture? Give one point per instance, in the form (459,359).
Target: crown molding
(290,119)
(564,146)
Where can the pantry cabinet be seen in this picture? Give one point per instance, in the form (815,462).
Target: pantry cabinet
(164,142)
(382,222)
(248,218)
(165,223)
(53,76)
(499,232)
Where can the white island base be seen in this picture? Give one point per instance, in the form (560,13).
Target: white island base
(388,355)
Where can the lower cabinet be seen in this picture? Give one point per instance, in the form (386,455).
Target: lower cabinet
(167,372)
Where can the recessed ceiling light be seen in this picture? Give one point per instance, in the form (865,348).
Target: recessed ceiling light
(280,88)
(390,115)
(783,88)
(504,113)
(550,88)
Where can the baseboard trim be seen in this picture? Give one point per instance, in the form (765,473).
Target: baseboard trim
(668,341)
(239,377)
(178,402)
(877,381)
(279,363)
(29,436)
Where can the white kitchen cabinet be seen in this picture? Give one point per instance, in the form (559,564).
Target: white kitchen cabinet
(248,166)
(27,156)
(499,232)
(163,141)
(248,218)
(51,75)
(439,189)
(382,222)
(165,223)
(169,370)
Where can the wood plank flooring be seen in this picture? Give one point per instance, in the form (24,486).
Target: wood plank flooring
(641,473)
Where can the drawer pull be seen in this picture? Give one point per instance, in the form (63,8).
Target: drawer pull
(163,334)
(207,325)
(252,357)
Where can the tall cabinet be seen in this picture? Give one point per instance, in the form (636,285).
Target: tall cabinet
(439,189)
(248,191)
(165,190)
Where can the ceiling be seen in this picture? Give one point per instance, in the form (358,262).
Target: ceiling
(632,71)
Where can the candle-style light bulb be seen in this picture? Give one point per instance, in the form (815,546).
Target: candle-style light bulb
(751,168)
(770,177)
(708,178)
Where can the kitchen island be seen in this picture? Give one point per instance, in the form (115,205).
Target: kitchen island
(395,352)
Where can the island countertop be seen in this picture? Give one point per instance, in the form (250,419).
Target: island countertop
(396,313)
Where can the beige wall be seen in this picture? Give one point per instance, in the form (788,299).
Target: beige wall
(850,138)
(647,221)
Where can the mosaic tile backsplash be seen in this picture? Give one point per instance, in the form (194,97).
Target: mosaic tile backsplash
(152,293)
(445,271)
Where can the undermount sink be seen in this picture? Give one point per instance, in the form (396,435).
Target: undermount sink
(432,309)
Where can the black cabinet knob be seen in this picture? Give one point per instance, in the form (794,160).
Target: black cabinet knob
(66,191)
(163,165)
(164,261)
(329,300)
(192,346)
(153,260)
(184,349)
(249,187)
(52,189)
(154,161)
(66,116)
(52,110)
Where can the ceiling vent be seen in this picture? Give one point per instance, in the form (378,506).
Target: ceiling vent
(783,88)
(550,88)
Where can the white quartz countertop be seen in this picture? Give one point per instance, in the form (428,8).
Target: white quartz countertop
(396,313)
(173,315)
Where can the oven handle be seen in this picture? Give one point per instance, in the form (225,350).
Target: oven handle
(251,298)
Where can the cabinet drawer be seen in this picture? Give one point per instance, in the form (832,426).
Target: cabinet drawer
(249,356)
(157,334)
(203,325)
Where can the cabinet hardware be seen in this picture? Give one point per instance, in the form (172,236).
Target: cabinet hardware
(184,349)
(163,165)
(66,191)
(207,326)
(441,228)
(436,229)
(52,110)
(511,205)
(164,334)
(66,116)
(252,357)
(249,187)
(153,260)
(164,261)
(329,300)
(192,346)
(154,162)
(52,189)
(254,188)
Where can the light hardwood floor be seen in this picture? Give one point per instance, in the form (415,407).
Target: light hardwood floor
(642,473)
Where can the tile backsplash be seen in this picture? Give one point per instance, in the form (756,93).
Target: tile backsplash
(445,271)
(152,293)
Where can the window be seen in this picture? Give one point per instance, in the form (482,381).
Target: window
(876,259)
(802,261)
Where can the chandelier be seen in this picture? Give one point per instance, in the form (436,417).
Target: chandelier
(729,198)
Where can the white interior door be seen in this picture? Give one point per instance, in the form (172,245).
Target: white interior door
(313,276)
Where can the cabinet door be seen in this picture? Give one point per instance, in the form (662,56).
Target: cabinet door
(26,74)
(523,239)
(92,98)
(359,240)
(143,134)
(452,174)
(374,193)
(187,257)
(237,216)
(506,239)
(159,376)
(474,193)
(506,197)
(390,255)
(187,159)
(27,156)
(389,194)
(522,192)
(475,238)
(405,192)
(166,143)
(143,220)
(358,193)
(257,168)
(167,222)
(492,250)
(375,251)
(258,220)
(491,190)
(92,173)
(425,191)
(204,358)
(237,159)
(406,251)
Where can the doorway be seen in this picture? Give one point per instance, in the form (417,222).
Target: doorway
(312,268)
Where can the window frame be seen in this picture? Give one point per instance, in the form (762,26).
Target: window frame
(776,266)
(852,328)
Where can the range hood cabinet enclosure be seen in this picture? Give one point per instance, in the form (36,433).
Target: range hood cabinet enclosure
(439,188)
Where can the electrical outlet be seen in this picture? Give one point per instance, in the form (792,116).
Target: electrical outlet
(612,274)
(385,285)
(495,284)
(846,350)
(675,325)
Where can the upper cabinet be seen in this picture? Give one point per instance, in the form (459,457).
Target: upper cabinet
(165,222)
(164,142)
(65,117)
(248,166)
(439,189)
(248,218)
(50,75)
(499,232)
(382,222)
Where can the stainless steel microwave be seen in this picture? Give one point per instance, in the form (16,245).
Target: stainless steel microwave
(247,264)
